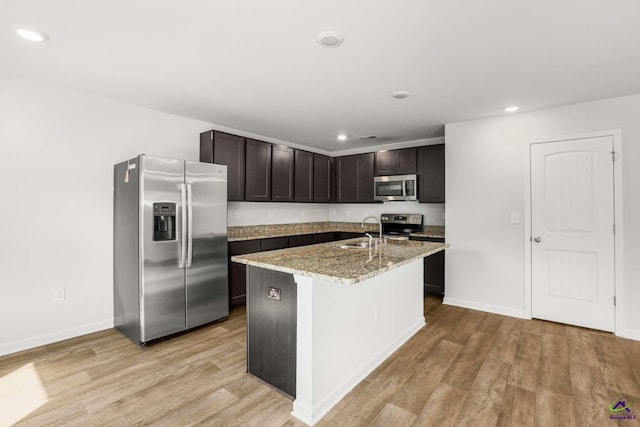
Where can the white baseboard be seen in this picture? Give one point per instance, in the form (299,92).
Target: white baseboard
(632,334)
(342,389)
(490,308)
(51,337)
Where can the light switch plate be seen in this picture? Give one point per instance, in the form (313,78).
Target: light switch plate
(515,218)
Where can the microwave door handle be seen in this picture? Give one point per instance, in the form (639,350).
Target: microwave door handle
(404,187)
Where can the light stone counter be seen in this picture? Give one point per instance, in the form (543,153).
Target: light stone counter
(251,232)
(328,261)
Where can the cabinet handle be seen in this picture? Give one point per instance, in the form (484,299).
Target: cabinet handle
(537,239)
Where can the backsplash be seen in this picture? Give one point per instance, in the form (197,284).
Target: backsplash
(258,213)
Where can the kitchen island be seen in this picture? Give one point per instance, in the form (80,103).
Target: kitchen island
(321,318)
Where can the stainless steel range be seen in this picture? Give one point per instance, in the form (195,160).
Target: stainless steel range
(400,226)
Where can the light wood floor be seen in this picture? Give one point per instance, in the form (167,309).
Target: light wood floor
(464,368)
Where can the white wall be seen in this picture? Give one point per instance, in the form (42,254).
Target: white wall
(254,213)
(57,150)
(486,167)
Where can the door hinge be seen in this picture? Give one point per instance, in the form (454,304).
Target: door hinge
(614,300)
(613,156)
(614,229)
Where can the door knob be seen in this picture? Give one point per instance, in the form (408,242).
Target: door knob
(537,239)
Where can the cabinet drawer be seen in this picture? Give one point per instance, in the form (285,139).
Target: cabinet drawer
(244,247)
(274,243)
(301,240)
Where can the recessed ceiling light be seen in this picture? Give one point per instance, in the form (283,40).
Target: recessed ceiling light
(330,38)
(341,137)
(400,94)
(511,109)
(31,34)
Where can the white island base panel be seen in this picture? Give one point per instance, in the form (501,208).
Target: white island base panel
(344,332)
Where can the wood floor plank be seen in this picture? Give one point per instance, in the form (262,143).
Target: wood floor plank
(414,393)
(465,326)
(391,415)
(618,374)
(508,337)
(442,407)
(553,409)
(194,411)
(581,347)
(518,408)
(484,402)
(524,371)
(555,373)
(464,369)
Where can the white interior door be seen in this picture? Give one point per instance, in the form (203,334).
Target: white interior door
(572,225)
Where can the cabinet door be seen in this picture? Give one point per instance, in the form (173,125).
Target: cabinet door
(303,183)
(323,179)
(434,274)
(206,147)
(365,172)
(229,150)
(385,162)
(238,272)
(405,161)
(258,171)
(431,174)
(354,178)
(395,162)
(282,160)
(346,179)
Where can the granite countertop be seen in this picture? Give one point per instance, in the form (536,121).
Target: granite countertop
(252,232)
(348,266)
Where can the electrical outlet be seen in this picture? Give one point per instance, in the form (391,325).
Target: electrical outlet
(58,295)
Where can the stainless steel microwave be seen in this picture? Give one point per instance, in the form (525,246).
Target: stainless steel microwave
(395,187)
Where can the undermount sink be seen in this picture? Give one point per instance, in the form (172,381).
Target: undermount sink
(360,245)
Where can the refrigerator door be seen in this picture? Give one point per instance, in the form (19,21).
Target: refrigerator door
(207,291)
(162,299)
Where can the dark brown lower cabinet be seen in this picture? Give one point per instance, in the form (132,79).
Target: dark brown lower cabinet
(433,270)
(238,272)
(301,240)
(274,243)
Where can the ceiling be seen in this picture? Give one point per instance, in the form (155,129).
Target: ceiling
(257,67)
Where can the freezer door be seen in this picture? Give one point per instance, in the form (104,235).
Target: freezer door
(207,273)
(162,299)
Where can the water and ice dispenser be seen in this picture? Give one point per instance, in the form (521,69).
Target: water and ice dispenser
(164,222)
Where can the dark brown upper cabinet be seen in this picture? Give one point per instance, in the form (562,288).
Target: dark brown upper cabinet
(323,179)
(431,174)
(303,182)
(354,178)
(396,162)
(282,161)
(258,171)
(225,149)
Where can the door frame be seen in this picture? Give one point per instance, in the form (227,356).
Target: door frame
(616,135)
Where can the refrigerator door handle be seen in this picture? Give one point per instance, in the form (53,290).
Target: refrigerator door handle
(183,227)
(189,225)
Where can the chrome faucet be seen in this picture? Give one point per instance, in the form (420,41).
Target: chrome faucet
(379,226)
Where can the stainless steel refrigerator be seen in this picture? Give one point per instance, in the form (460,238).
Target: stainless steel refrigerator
(170,246)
